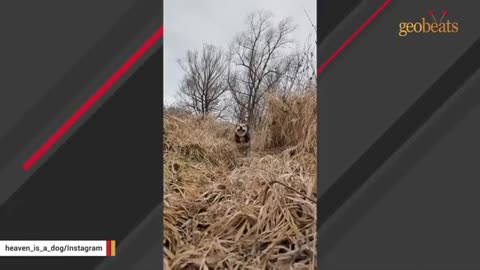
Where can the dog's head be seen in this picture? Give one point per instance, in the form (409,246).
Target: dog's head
(241,129)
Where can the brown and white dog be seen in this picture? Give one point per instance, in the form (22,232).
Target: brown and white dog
(242,138)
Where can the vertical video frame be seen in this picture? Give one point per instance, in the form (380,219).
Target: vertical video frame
(240,139)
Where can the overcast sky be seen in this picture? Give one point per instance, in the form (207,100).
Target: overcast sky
(191,23)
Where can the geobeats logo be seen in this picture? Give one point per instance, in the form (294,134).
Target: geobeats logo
(424,27)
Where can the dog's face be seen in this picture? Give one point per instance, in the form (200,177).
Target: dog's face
(241,129)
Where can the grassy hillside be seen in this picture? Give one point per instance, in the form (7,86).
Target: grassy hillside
(225,211)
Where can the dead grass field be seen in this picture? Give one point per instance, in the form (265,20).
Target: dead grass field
(225,211)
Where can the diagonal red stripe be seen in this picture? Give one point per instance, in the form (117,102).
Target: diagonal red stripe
(93,99)
(349,39)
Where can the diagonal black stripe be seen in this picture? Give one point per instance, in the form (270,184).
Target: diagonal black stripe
(331,13)
(130,24)
(395,136)
(101,182)
(146,236)
(452,114)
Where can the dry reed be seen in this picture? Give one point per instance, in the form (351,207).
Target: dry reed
(225,211)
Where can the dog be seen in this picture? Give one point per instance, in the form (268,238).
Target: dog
(242,138)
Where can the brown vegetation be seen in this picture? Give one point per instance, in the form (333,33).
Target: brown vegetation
(225,211)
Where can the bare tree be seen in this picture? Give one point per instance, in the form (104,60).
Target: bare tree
(256,57)
(174,109)
(311,23)
(204,83)
(299,70)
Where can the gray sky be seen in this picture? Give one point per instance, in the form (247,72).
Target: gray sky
(189,24)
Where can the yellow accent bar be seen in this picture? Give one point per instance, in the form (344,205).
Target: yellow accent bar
(112,248)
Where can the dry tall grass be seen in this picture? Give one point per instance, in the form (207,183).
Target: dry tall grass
(224,211)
